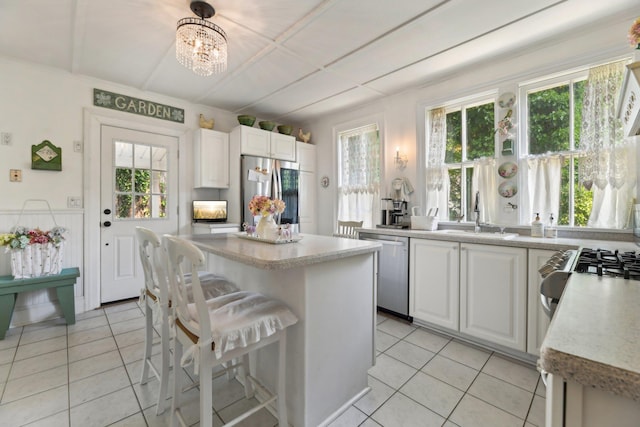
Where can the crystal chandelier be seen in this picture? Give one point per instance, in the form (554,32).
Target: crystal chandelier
(201,45)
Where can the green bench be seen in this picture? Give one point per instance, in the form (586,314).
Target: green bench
(63,282)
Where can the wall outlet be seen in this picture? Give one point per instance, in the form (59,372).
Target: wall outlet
(5,138)
(77,146)
(74,202)
(15,175)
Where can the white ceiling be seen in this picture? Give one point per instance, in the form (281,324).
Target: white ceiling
(288,59)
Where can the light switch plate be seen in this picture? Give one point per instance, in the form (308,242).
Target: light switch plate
(77,146)
(15,175)
(5,138)
(74,202)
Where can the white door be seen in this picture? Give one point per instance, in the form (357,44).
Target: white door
(139,186)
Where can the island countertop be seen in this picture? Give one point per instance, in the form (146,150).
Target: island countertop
(594,338)
(311,249)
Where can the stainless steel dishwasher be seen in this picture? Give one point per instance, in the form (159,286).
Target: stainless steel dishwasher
(393,273)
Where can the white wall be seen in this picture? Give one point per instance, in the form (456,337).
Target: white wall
(403,112)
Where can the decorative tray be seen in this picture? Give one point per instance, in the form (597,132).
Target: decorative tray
(293,239)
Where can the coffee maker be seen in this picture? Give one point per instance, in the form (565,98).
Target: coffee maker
(398,213)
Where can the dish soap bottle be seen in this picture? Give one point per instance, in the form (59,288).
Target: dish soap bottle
(537,227)
(551,231)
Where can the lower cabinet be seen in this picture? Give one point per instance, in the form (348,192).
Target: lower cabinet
(493,294)
(434,282)
(537,320)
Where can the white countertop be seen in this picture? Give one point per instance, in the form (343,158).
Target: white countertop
(591,240)
(594,337)
(311,249)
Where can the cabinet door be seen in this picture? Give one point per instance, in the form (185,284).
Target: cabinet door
(211,159)
(307,202)
(283,147)
(255,142)
(434,282)
(306,155)
(537,320)
(493,296)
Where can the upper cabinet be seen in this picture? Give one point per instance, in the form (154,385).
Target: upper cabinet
(306,156)
(211,159)
(262,143)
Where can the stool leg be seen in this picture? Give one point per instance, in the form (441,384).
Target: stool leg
(164,370)
(282,380)
(245,372)
(206,387)
(177,381)
(148,340)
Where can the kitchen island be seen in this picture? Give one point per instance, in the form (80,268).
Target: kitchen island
(329,283)
(593,344)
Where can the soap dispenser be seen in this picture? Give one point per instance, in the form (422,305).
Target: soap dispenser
(537,227)
(551,231)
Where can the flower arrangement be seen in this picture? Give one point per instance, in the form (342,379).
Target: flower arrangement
(21,237)
(634,34)
(263,205)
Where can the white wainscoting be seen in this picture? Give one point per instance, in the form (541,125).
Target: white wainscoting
(32,307)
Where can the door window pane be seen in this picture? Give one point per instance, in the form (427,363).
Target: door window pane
(159,206)
(123,179)
(123,206)
(159,182)
(159,158)
(123,154)
(142,156)
(142,181)
(142,208)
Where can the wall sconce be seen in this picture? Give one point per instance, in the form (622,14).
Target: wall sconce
(400,159)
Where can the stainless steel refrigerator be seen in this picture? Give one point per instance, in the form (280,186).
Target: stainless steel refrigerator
(269,177)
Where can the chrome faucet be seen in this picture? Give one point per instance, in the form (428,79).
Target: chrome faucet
(476,210)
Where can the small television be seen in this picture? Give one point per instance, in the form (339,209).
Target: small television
(209,211)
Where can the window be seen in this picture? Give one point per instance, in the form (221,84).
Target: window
(469,136)
(553,124)
(140,181)
(359,175)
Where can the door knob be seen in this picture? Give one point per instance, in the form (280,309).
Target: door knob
(107,223)
(107,211)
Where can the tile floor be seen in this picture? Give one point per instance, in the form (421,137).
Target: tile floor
(87,374)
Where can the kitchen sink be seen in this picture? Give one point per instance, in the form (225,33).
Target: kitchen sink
(483,234)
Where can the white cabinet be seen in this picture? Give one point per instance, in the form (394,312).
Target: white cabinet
(493,295)
(211,159)
(306,155)
(434,282)
(537,320)
(262,143)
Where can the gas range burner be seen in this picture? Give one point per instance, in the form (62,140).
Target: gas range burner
(609,263)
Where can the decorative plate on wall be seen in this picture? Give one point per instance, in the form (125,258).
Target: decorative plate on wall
(507,100)
(508,189)
(508,169)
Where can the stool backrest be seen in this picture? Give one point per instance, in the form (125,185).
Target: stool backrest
(185,258)
(348,229)
(154,260)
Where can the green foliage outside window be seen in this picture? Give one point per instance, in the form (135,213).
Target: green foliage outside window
(549,128)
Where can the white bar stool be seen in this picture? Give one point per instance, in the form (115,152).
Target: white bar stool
(221,329)
(158,308)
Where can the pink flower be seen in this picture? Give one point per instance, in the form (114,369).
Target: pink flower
(634,33)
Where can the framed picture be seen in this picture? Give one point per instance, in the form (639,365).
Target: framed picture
(46,156)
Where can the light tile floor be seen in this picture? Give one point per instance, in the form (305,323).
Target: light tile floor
(88,374)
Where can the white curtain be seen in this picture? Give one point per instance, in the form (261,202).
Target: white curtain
(612,206)
(359,186)
(601,130)
(542,192)
(485,181)
(437,177)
